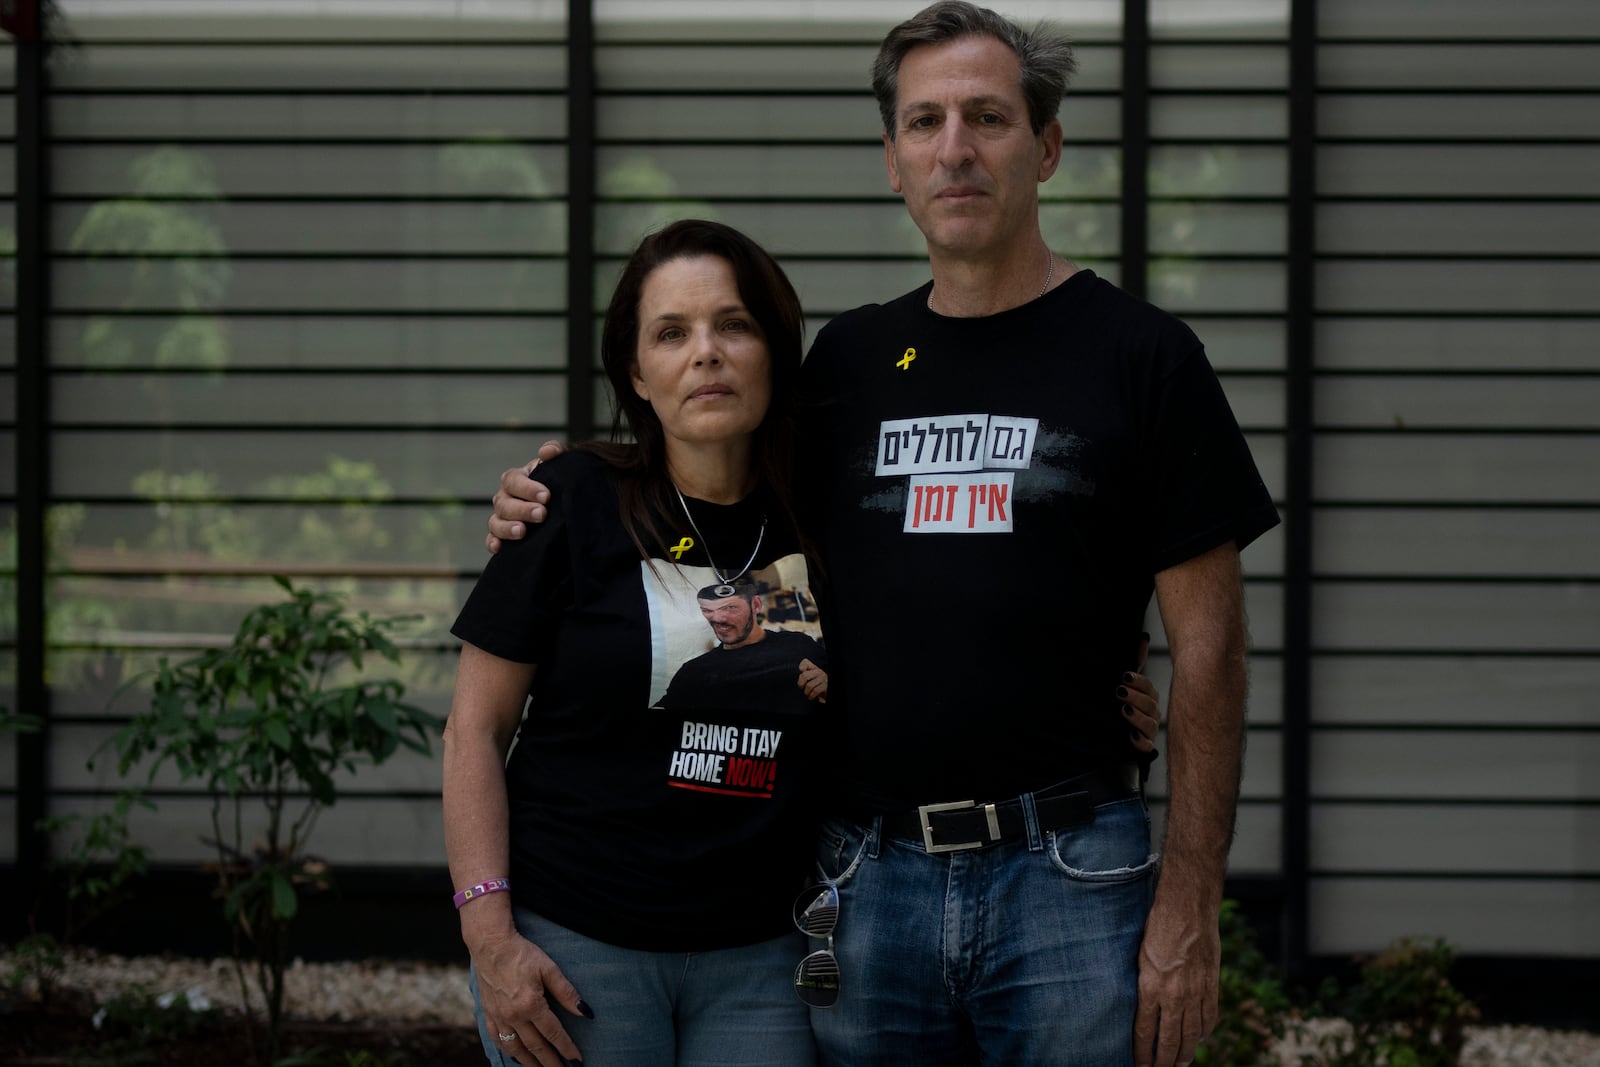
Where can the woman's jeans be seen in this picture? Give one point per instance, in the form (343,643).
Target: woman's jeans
(1023,953)
(731,1007)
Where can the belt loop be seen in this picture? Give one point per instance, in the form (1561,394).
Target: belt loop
(1030,820)
(874,836)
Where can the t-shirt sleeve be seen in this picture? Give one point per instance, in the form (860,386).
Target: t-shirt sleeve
(1205,489)
(514,609)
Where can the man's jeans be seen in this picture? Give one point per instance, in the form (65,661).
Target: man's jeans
(1021,953)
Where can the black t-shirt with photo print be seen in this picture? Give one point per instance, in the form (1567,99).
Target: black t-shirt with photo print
(667,830)
(992,498)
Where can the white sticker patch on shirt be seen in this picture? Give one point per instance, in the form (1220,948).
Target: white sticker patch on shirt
(944,443)
(1009,443)
(959,503)
(952,443)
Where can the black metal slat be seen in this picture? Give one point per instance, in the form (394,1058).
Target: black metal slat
(1135,219)
(581,181)
(1299,417)
(32,444)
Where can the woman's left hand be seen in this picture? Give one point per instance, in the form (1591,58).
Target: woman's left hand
(1141,702)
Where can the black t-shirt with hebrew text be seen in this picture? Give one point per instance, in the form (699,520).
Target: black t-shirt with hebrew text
(992,498)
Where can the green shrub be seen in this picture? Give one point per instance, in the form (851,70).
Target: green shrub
(264,723)
(36,966)
(1403,1013)
(100,860)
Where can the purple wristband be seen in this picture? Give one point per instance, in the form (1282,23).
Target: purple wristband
(473,892)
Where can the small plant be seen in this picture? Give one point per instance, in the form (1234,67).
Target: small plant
(1403,1013)
(100,861)
(1252,1005)
(134,1025)
(36,966)
(265,722)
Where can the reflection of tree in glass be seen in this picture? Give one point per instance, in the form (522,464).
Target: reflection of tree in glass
(644,198)
(185,523)
(507,184)
(354,529)
(490,166)
(164,252)
(70,615)
(1200,174)
(327,517)
(1072,226)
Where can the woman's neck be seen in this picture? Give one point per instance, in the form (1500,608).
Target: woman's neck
(724,473)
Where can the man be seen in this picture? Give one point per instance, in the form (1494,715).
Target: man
(752,665)
(1011,460)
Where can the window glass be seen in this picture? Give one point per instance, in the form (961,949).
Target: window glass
(308,275)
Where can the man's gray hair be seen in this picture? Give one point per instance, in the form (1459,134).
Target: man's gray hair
(1045,56)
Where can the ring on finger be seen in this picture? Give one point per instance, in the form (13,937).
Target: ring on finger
(507,1037)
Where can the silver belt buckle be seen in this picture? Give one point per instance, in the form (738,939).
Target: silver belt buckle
(925,810)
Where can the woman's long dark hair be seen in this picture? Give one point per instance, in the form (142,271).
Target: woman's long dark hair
(643,485)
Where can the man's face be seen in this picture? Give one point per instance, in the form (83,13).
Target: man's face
(733,620)
(964,155)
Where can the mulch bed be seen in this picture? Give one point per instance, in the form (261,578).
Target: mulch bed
(65,1036)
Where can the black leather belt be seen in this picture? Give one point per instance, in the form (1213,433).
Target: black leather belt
(964,824)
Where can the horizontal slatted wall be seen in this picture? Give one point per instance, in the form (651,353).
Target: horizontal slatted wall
(1456,621)
(308,275)
(763,119)
(1218,186)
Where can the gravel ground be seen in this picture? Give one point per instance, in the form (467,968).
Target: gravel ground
(337,992)
(430,993)
(1503,1046)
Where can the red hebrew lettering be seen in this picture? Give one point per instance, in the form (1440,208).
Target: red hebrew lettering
(997,501)
(916,508)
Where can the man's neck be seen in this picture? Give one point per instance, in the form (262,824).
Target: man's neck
(971,288)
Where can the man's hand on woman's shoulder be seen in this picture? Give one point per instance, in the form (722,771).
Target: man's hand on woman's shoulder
(520,500)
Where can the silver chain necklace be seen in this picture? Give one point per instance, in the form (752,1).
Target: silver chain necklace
(1049,273)
(727,580)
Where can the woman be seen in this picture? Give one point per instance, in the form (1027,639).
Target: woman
(651,820)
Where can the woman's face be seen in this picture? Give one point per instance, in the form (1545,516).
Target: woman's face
(702,362)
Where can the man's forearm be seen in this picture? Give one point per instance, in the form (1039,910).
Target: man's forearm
(1205,747)
(1202,604)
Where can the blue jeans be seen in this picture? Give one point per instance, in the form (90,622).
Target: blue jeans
(729,1007)
(1021,953)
